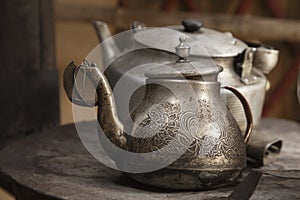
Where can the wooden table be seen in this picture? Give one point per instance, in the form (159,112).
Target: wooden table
(53,164)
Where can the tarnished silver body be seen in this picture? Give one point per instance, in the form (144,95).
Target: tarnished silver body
(216,153)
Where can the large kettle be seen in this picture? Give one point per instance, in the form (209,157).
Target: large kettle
(244,63)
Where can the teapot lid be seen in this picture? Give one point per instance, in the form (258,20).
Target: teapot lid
(185,69)
(204,42)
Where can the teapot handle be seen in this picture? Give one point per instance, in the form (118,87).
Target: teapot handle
(247,111)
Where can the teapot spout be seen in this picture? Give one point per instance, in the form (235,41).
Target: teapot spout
(265,57)
(107,112)
(109,48)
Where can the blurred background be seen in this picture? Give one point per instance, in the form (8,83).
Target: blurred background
(75,36)
(69,35)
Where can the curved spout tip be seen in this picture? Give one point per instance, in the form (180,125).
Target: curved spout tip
(102,30)
(68,79)
(75,93)
(109,48)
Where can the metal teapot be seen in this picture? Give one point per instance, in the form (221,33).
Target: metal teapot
(182,114)
(244,63)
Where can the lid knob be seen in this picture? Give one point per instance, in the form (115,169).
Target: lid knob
(191,25)
(182,49)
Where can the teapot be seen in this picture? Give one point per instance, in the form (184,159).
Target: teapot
(245,64)
(182,116)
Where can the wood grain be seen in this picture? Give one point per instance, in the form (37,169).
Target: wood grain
(28,76)
(250,27)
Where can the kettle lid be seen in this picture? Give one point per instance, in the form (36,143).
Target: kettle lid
(204,42)
(185,69)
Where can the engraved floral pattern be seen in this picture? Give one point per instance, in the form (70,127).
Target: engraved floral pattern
(204,132)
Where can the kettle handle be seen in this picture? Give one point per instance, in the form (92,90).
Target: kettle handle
(247,111)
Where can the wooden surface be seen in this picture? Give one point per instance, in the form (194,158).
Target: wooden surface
(55,165)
